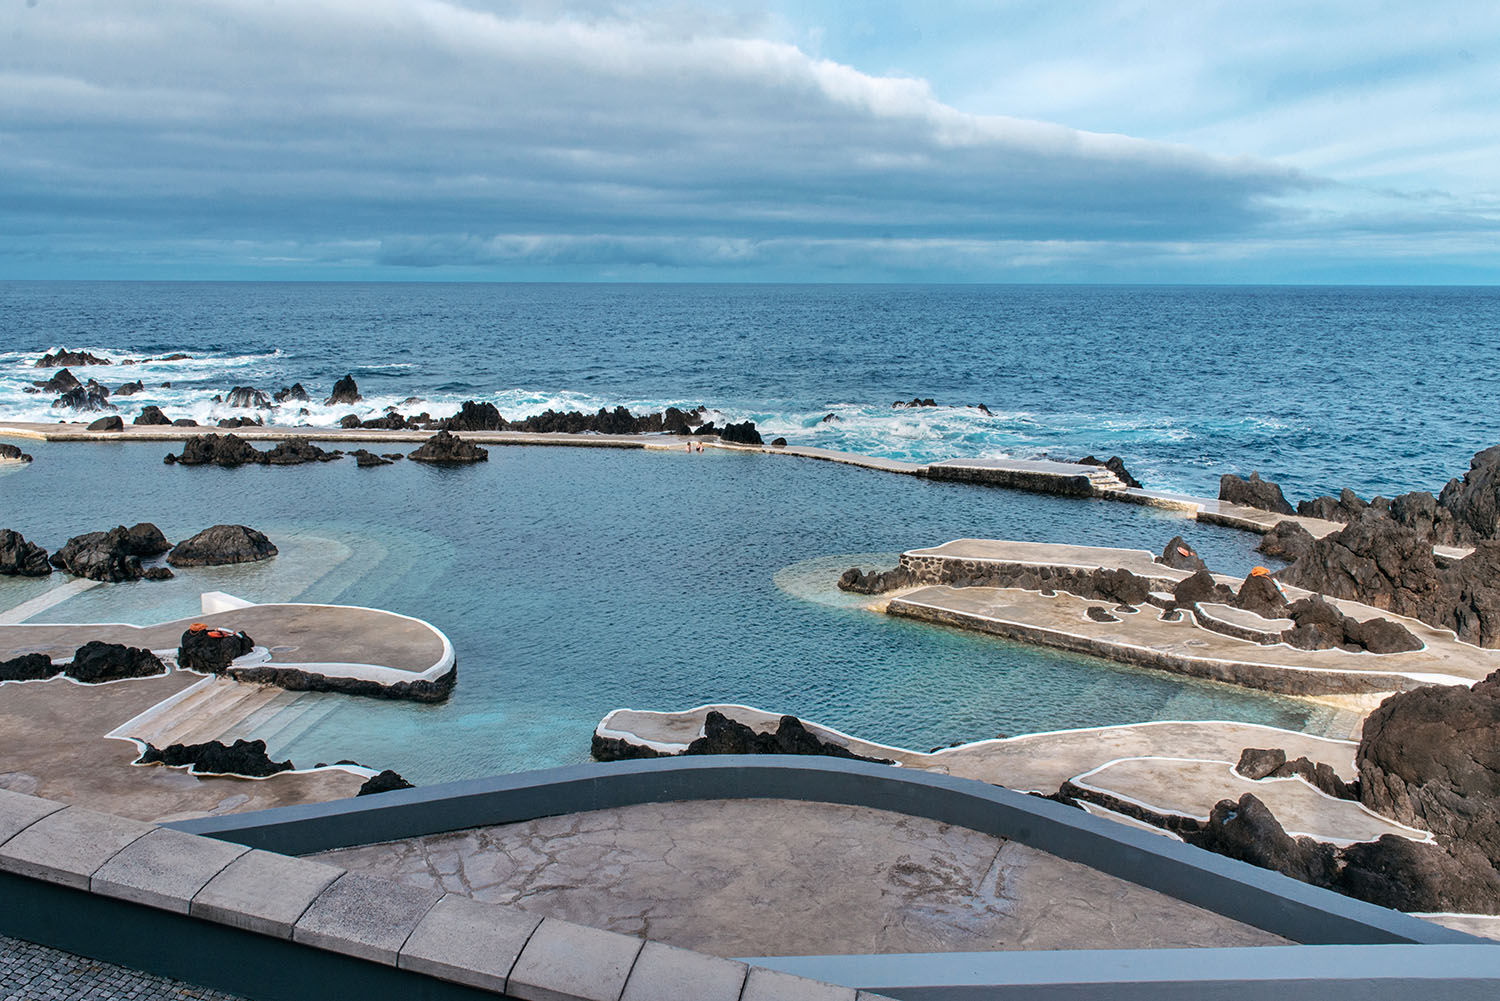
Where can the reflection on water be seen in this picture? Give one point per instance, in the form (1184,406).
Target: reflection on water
(576,581)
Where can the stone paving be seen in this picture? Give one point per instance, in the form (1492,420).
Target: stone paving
(744,878)
(30,972)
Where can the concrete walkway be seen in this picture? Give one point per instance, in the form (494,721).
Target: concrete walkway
(776,877)
(1179,767)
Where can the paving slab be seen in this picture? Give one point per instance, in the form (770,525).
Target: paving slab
(263,892)
(571,962)
(69,846)
(467,942)
(363,917)
(772,985)
(666,973)
(164,869)
(18,812)
(736,878)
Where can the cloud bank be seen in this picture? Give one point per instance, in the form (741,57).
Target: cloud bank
(420,137)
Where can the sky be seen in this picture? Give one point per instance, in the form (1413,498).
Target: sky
(965,141)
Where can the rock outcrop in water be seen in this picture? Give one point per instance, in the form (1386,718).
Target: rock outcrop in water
(364,458)
(345,392)
(291,394)
(1254,492)
(130,388)
(19,558)
(473,416)
(743,433)
(88,398)
(61,382)
(152,416)
(243,757)
(13,453)
(222,545)
(111,556)
(65,357)
(230,452)
(444,448)
(248,398)
(915,401)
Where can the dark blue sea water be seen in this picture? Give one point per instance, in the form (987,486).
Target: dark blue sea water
(574,581)
(1381,389)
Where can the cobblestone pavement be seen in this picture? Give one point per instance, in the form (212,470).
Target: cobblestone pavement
(31,972)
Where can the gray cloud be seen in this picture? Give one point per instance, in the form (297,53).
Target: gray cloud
(439,135)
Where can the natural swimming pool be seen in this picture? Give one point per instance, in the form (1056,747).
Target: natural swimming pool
(573,581)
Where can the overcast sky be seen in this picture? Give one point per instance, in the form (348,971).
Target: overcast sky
(817,141)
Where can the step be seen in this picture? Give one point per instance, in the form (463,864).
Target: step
(164,717)
(228,706)
(289,725)
(228,719)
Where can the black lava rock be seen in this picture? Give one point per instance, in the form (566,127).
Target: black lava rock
(445,448)
(96,662)
(19,558)
(222,545)
(243,757)
(344,392)
(211,650)
(386,781)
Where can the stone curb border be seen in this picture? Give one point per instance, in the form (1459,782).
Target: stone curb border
(1237,890)
(276,927)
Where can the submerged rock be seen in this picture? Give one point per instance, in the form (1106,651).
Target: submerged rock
(12,452)
(222,545)
(19,558)
(1254,492)
(345,391)
(243,757)
(212,650)
(386,781)
(915,401)
(97,662)
(445,448)
(875,581)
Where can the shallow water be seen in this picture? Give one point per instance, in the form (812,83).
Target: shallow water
(576,581)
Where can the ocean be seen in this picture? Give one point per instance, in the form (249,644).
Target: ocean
(576,581)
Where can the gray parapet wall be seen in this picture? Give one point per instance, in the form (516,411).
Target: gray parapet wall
(1243,892)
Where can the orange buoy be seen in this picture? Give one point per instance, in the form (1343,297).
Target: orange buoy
(1259,572)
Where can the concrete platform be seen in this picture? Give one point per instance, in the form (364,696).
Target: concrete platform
(1181,767)
(336,641)
(55,746)
(775,877)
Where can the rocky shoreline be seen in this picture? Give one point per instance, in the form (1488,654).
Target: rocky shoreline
(116,555)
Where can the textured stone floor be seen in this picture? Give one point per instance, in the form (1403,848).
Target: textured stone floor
(774,877)
(31,972)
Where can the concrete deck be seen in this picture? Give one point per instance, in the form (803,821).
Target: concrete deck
(53,744)
(1181,767)
(333,640)
(774,877)
(1143,639)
